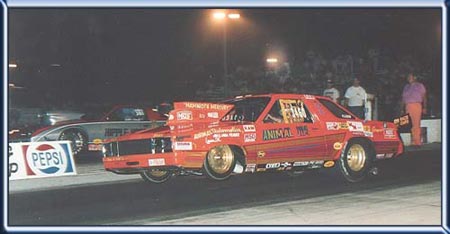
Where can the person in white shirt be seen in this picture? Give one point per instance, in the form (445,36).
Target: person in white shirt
(331,91)
(355,98)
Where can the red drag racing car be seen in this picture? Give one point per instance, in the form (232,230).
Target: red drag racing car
(273,132)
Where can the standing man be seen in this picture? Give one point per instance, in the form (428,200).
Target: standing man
(355,98)
(414,102)
(331,91)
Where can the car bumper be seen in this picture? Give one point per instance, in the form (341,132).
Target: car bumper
(137,163)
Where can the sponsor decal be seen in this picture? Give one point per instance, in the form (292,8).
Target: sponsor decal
(48,159)
(309,164)
(183,127)
(16,162)
(302,131)
(94,147)
(355,126)
(261,154)
(215,138)
(249,128)
(156,162)
(337,145)
(273,134)
(250,168)
(300,164)
(332,126)
(368,134)
(366,128)
(376,130)
(286,165)
(171,117)
(345,116)
(183,145)
(309,96)
(207,106)
(389,133)
(214,131)
(250,137)
(383,156)
(328,164)
(184,115)
(357,133)
(343,126)
(231,134)
(261,169)
(272,165)
(214,115)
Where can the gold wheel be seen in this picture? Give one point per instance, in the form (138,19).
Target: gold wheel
(158,173)
(220,159)
(356,157)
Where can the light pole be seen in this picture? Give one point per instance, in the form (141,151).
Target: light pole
(223,17)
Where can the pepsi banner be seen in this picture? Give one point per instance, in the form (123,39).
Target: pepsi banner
(40,159)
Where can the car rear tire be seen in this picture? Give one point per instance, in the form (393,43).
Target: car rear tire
(355,161)
(77,139)
(156,176)
(219,162)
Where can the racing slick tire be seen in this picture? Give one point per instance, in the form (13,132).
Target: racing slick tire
(156,176)
(355,161)
(219,162)
(77,138)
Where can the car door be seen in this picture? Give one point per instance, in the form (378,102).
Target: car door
(289,135)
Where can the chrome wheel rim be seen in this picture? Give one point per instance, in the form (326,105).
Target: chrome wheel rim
(356,157)
(75,139)
(220,159)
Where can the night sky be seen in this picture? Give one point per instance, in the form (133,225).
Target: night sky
(130,55)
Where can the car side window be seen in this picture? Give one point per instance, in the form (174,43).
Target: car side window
(295,111)
(127,114)
(335,109)
(275,115)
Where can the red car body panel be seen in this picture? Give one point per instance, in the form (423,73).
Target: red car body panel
(194,128)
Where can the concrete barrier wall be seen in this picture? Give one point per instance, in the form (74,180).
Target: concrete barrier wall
(431,132)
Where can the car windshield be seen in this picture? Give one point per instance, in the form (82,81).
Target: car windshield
(248,109)
(96,113)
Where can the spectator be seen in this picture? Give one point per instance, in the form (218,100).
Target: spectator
(355,97)
(331,91)
(414,102)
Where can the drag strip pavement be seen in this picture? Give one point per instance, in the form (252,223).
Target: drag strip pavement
(189,200)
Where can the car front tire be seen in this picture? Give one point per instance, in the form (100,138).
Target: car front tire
(77,139)
(156,176)
(219,162)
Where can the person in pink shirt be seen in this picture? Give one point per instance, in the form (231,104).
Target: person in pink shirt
(414,102)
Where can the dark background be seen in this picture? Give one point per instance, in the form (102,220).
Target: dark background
(80,56)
